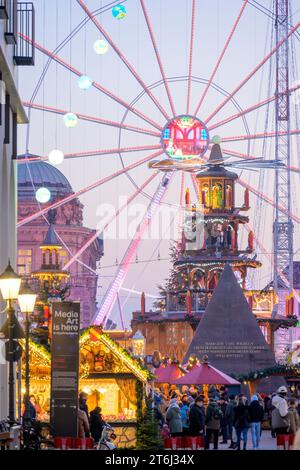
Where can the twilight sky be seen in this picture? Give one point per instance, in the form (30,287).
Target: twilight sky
(171,23)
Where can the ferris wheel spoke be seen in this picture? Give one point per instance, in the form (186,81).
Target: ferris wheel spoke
(270,259)
(249,110)
(191,57)
(86,189)
(112,218)
(123,58)
(94,119)
(258,67)
(267,199)
(221,56)
(92,153)
(245,156)
(262,135)
(159,61)
(96,85)
(111,293)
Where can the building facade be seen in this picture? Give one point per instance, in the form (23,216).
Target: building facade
(12,53)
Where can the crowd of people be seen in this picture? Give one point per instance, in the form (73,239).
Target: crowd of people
(227,417)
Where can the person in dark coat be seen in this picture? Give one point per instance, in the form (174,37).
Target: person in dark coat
(28,410)
(196,417)
(212,422)
(224,422)
(230,419)
(96,424)
(256,415)
(241,422)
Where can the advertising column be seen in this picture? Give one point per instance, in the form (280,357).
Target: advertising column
(65,368)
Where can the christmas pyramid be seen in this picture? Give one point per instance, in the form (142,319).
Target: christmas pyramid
(228,332)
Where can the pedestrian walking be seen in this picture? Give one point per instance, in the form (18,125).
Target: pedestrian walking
(230,420)
(293,417)
(184,413)
(96,424)
(280,412)
(83,424)
(197,417)
(224,422)
(213,423)
(173,418)
(256,415)
(241,422)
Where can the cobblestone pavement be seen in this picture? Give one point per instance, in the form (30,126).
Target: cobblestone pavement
(266,442)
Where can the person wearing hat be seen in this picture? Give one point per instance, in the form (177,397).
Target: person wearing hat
(280,412)
(173,418)
(256,415)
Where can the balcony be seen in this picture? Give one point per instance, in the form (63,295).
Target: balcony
(11,22)
(3,10)
(24,48)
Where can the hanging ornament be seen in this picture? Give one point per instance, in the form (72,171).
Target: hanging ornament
(70,120)
(85,82)
(43,195)
(56,157)
(119,12)
(101,47)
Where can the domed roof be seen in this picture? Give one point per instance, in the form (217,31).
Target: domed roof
(41,174)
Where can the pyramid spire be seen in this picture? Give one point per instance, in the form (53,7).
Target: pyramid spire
(51,239)
(228,332)
(216,154)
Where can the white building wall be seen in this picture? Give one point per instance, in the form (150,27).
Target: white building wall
(8,189)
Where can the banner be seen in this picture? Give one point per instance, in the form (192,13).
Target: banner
(65,368)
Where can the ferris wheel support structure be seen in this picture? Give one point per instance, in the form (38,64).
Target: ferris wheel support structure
(283,224)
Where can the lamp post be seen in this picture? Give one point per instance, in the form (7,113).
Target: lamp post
(10,285)
(27,300)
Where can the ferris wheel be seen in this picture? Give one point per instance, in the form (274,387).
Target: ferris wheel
(167,122)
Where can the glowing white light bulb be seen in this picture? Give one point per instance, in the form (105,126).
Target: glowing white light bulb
(56,157)
(101,46)
(85,82)
(43,195)
(70,120)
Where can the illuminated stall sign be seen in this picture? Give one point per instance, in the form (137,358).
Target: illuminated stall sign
(64,368)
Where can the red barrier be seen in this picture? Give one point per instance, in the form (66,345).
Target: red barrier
(184,442)
(65,443)
(285,440)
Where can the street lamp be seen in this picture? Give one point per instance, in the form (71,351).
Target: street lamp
(27,300)
(10,285)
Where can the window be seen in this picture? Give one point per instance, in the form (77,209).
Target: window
(7,119)
(24,262)
(63,257)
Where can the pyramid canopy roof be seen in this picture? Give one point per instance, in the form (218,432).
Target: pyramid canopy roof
(228,332)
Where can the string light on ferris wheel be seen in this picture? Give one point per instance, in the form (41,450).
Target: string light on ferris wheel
(43,195)
(56,157)
(216,139)
(85,82)
(70,120)
(119,12)
(101,47)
